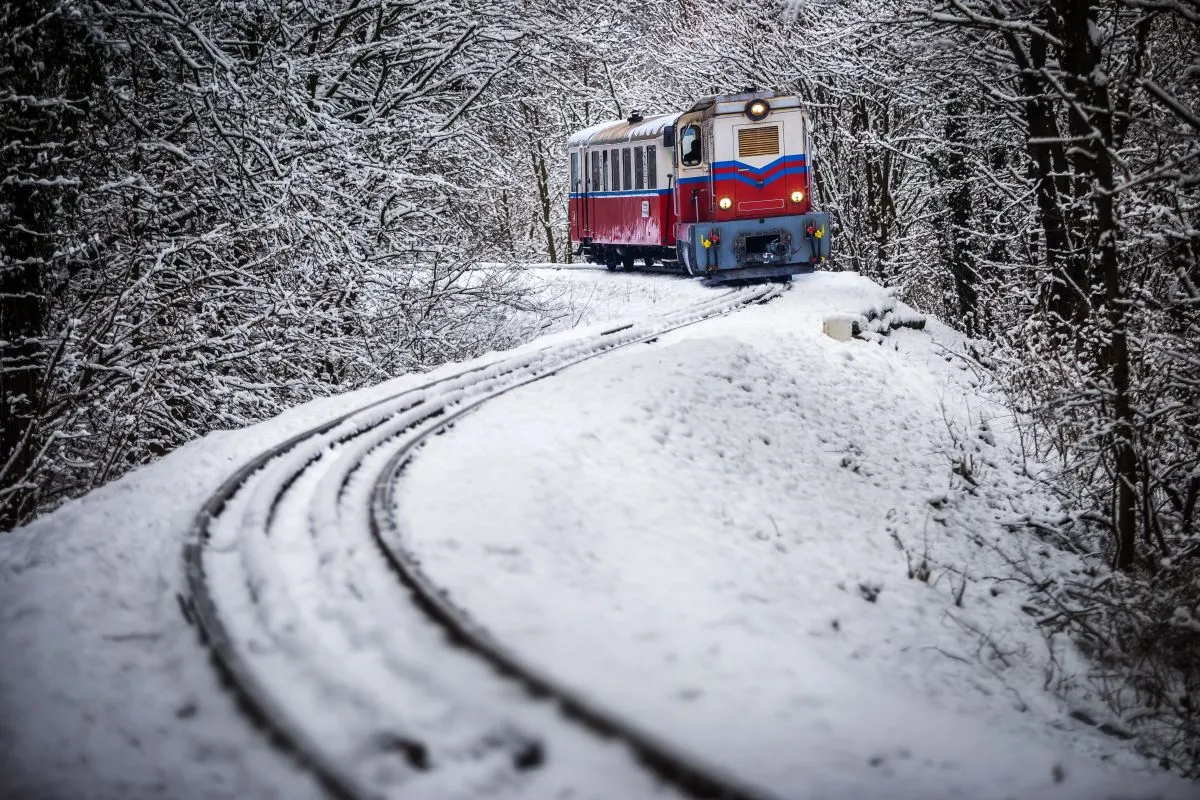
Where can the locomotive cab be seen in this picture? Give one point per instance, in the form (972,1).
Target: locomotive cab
(743,205)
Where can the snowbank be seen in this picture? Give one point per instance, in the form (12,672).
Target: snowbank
(751,538)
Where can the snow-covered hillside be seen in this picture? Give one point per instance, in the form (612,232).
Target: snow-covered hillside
(785,554)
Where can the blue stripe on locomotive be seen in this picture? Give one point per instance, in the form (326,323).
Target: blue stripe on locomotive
(799,158)
(758,184)
(794,165)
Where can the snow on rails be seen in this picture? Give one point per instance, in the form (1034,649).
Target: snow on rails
(292,570)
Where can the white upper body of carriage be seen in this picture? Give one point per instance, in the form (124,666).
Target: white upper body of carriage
(623,157)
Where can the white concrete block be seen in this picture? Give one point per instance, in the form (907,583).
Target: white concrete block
(842,327)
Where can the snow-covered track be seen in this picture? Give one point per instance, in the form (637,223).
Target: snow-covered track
(291,569)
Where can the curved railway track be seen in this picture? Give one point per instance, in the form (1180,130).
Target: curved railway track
(382,687)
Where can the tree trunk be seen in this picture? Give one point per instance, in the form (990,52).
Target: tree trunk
(1066,296)
(952,169)
(543,184)
(1091,125)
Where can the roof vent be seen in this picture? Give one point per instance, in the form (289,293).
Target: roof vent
(635,116)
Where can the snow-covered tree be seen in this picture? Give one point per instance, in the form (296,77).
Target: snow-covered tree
(278,201)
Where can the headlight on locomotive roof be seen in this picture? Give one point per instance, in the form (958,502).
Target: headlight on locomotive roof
(757,110)
(725,203)
(797,197)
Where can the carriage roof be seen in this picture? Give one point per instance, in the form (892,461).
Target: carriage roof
(622,130)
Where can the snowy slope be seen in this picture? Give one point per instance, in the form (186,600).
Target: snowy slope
(687,532)
(105,690)
(714,536)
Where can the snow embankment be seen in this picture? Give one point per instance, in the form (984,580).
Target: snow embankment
(787,554)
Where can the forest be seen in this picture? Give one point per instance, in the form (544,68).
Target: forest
(213,211)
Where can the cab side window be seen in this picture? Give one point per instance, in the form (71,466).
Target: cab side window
(690,146)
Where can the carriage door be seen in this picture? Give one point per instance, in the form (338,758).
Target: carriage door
(585,222)
(593,187)
(574,202)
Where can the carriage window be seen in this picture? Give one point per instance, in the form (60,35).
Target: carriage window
(639,168)
(616,170)
(604,171)
(626,169)
(595,171)
(574,172)
(691,146)
(651,167)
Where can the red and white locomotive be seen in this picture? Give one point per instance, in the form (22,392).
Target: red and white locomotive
(721,190)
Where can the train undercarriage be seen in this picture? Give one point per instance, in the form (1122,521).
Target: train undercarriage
(738,250)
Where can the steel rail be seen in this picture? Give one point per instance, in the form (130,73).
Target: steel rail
(250,688)
(688,773)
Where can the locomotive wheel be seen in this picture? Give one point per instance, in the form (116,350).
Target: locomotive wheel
(649,261)
(610,259)
(627,262)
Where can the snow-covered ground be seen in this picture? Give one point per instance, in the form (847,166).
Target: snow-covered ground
(582,295)
(712,535)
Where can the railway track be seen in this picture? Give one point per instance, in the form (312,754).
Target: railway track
(334,639)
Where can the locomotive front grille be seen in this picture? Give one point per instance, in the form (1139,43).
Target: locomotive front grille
(760,141)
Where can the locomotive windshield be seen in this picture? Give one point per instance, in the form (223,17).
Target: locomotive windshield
(690,145)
